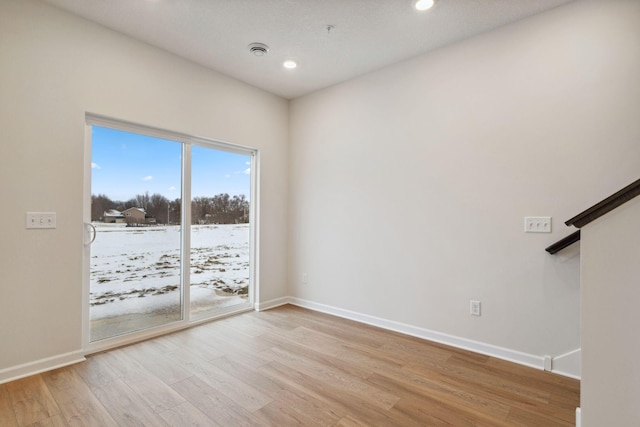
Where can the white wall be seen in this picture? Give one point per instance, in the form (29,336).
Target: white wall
(409,185)
(610,317)
(54,68)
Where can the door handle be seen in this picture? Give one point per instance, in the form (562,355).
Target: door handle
(95,233)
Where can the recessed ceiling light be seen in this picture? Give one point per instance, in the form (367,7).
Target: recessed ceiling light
(289,64)
(258,49)
(424,4)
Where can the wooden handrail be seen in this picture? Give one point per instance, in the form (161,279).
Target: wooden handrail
(607,205)
(563,243)
(594,212)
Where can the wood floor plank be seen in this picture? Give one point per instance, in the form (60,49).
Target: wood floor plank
(281,414)
(303,404)
(519,417)
(159,364)
(333,398)
(227,340)
(292,347)
(301,384)
(250,349)
(95,371)
(348,384)
(7,417)
(564,397)
(290,366)
(316,341)
(409,350)
(249,375)
(55,421)
(244,394)
(76,401)
(216,405)
(522,395)
(349,421)
(434,385)
(459,402)
(163,344)
(126,407)
(191,340)
(297,406)
(186,414)
(488,384)
(155,392)
(250,326)
(433,413)
(356,334)
(31,400)
(280,321)
(513,370)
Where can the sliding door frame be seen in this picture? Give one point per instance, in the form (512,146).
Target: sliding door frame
(188,142)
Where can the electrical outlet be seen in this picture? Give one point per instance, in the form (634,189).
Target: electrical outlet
(40,220)
(537,224)
(474,308)
(305,278)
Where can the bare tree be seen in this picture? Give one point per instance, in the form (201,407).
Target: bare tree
(219,209)
(99,205)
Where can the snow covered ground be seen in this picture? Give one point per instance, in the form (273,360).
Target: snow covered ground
(135,273)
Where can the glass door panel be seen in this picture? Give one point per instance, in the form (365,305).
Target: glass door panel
(220,231)
(135,280)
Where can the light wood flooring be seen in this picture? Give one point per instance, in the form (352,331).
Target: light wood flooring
(284,367)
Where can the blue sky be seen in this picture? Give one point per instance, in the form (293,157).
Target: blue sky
(125,164)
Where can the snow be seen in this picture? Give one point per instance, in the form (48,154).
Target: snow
(137,270)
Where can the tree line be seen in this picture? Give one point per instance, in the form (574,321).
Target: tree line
(219,209)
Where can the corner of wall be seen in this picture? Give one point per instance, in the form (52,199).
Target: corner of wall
(568,364)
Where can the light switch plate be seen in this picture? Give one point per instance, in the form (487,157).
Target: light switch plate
(537,224)
(40,220)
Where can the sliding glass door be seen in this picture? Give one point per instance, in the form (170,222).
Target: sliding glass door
(220,230)
(135,280)
(170,232)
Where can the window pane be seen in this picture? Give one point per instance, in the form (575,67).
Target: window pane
(220,257)
(135,206)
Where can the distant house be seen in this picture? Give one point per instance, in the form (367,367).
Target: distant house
(134,216)
(113,216)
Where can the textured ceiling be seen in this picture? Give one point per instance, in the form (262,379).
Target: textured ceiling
(367,34)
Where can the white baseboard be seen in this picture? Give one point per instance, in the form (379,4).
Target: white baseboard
(568,364)
(458,342)
(59,361)
(39,366)
(262,306)
(578,417)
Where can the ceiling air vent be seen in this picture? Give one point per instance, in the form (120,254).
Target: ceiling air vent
(258,49)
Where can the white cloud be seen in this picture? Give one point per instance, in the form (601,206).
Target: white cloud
(147,178)
(248,163)
(227,175)
(172,188)
(247,171)
(95,166)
